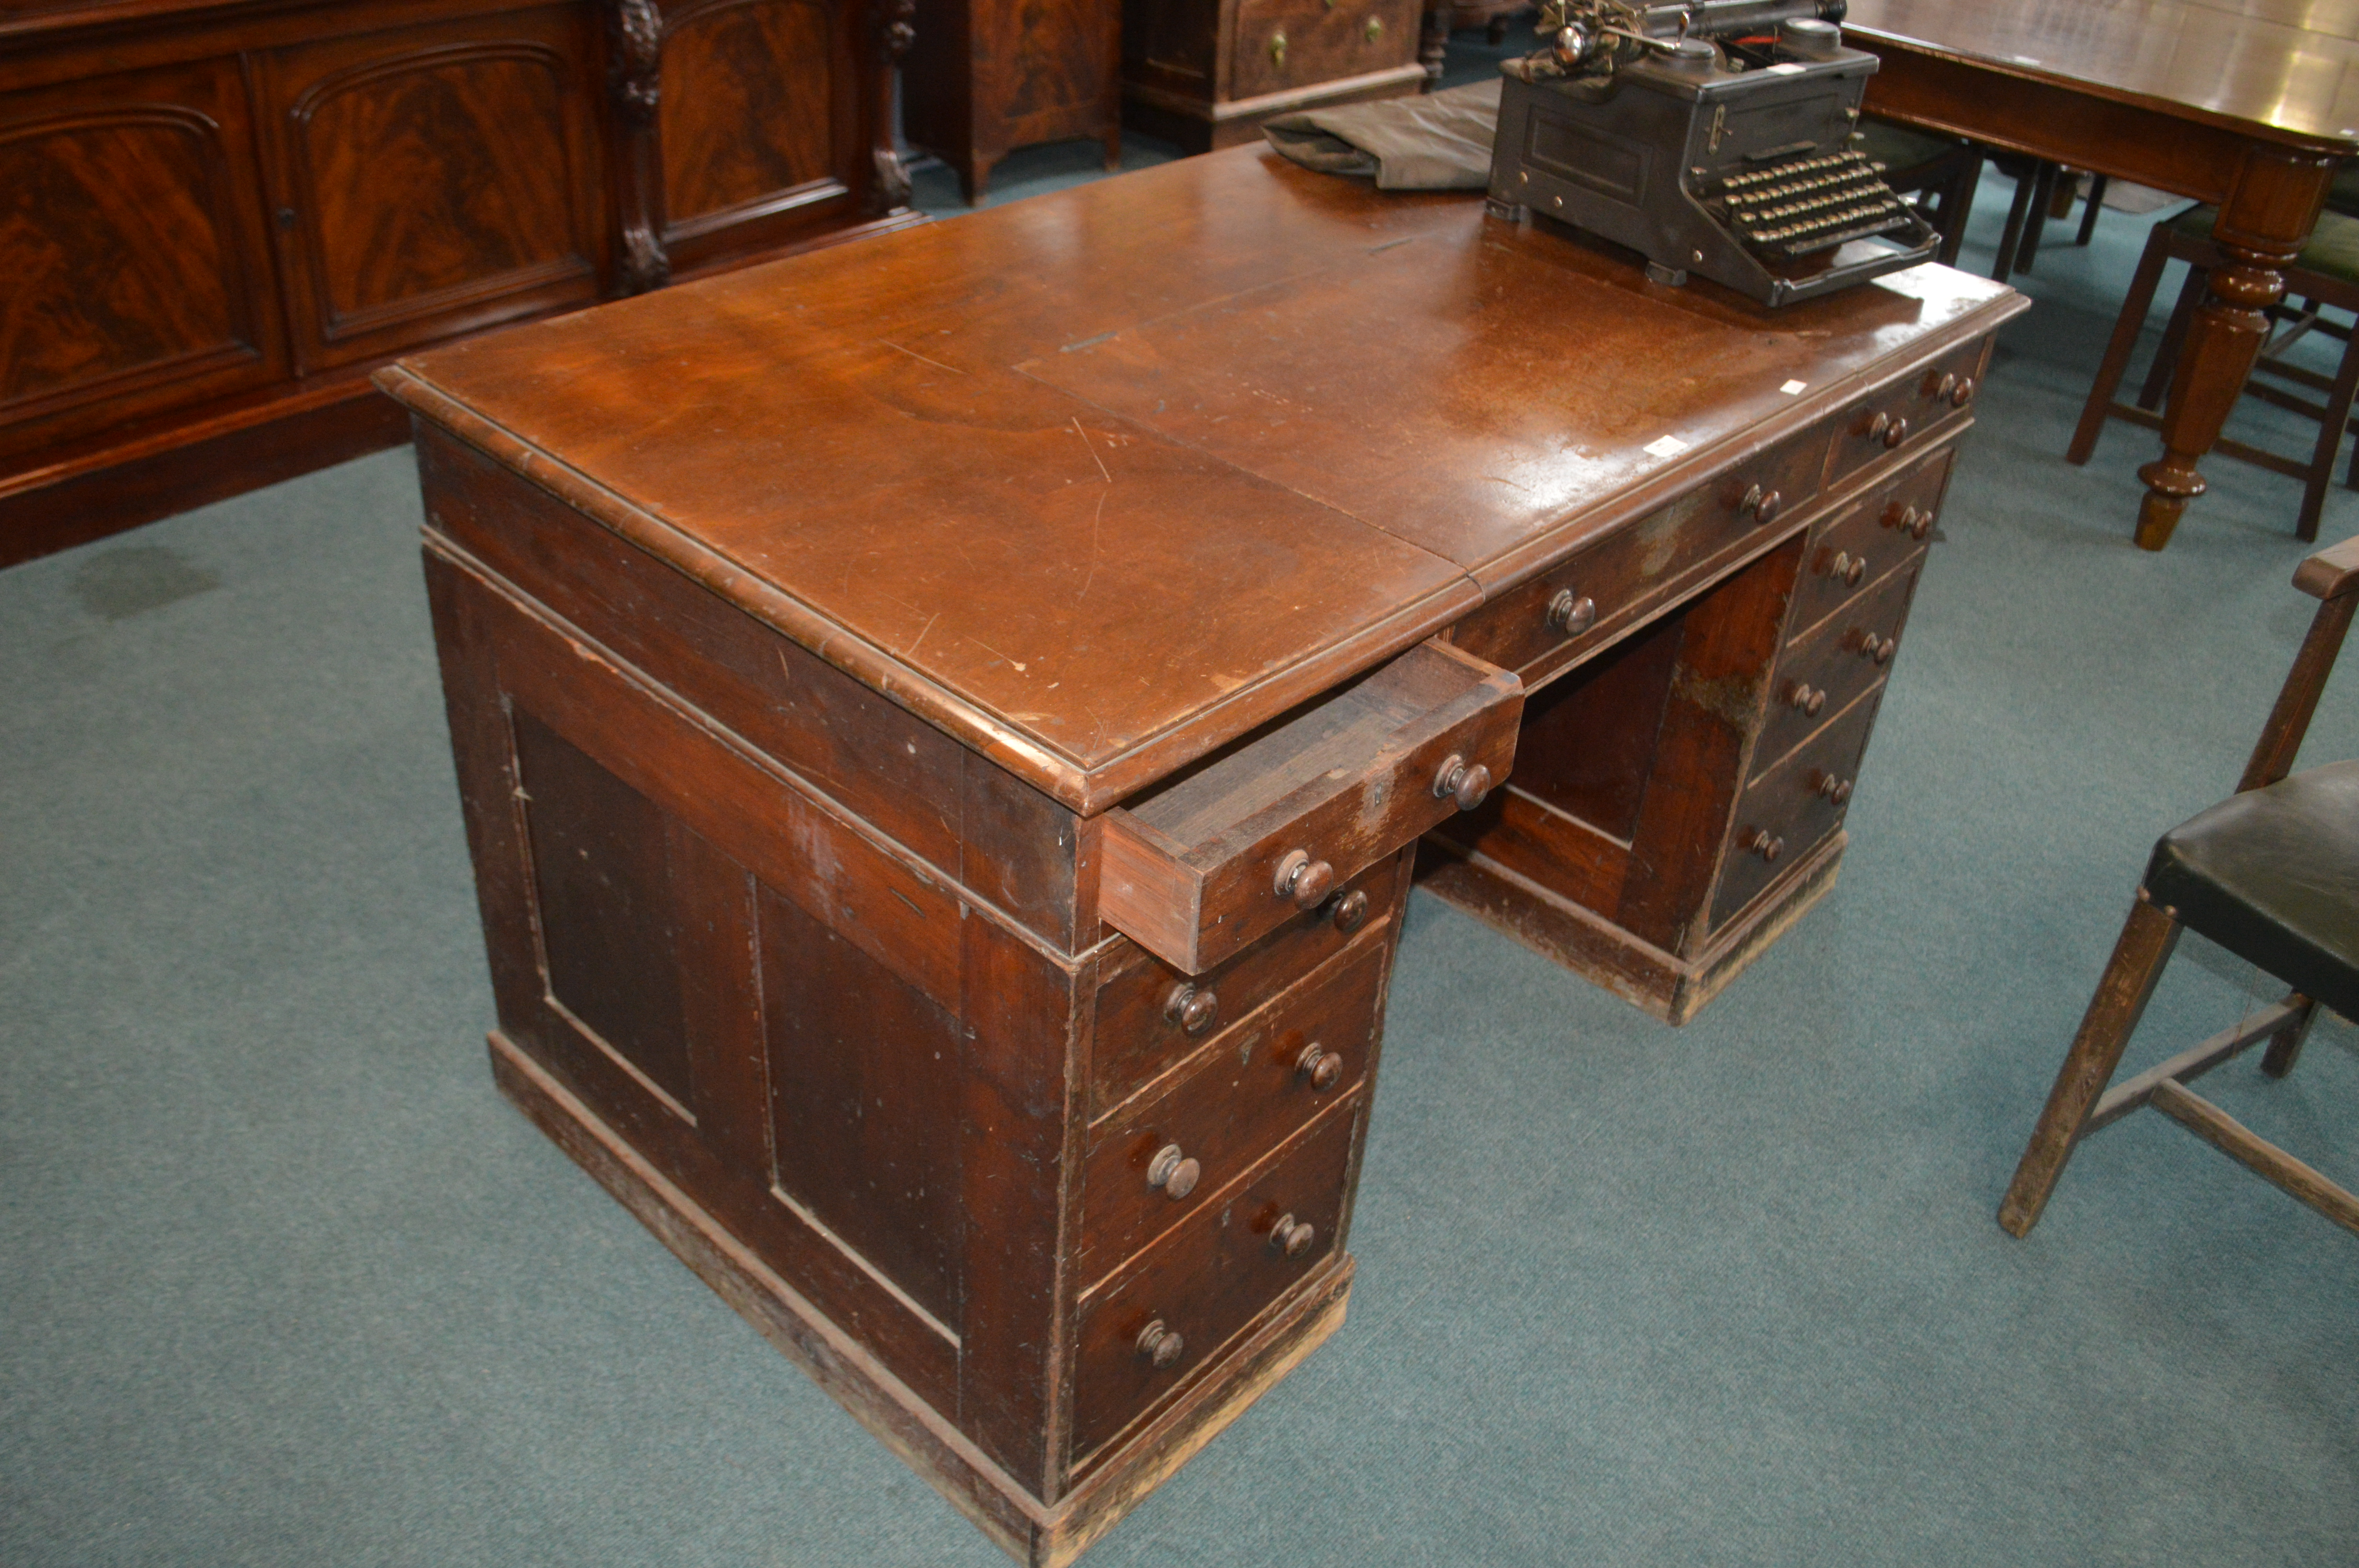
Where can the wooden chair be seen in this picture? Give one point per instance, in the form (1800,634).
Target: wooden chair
(2271,874)
(2042,191)
(1941,172)
(2326,275)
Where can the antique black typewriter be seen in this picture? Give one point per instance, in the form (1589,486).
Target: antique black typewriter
(1714,137)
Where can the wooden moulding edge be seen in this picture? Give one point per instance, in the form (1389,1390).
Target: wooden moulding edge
(1035,1533)
(1671,987)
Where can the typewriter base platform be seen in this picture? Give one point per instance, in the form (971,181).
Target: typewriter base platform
(1671,987)
(1041,1535)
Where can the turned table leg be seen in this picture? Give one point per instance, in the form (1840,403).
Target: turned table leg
(2261,230)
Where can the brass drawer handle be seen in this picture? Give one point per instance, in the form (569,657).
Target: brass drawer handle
(1173,1171)
(1374,29)
(1572,613)
(1159,1345)
(1762,504)
(1466,785)
(1192,1010)
(1305,880)
(1349,911)
(1277,50)
(1292,1237)
(1323,1068)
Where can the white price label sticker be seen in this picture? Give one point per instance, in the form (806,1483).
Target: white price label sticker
(1794,388)
(1669,447)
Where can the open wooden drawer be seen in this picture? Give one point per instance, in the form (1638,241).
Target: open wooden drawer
(1214,857)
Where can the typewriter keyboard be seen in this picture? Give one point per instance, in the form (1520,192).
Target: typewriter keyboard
(1808,204)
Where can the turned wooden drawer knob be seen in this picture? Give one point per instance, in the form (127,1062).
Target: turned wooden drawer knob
(1323,1068)
(1191,1009)
(1159,1345)
(1173,1171)
(1941,389)
(1895,433)
(1866,646)
(1767,845)
(1761,505)
(1836,791)
(1847,569)
(1349,911)
(1909,519)
(1305,880)
(1806,699)
(1572,613)
(1458,782)
(1963,393)
(1291,1236)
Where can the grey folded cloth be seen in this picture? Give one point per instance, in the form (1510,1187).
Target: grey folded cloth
(1440,141)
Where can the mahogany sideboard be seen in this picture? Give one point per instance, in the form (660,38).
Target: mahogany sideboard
(944,735)
(218,216)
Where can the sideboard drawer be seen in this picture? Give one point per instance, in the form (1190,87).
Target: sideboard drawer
(1591,599)
(1256,834)
(1207,1280)
(1150,1016)
(1789,810)
(1245,1093)
(1290,43)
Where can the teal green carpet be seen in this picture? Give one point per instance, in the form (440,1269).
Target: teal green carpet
(282,1280)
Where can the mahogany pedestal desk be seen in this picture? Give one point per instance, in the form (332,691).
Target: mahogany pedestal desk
(942,726)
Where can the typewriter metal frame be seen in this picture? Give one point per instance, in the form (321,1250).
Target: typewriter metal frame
(1631,156)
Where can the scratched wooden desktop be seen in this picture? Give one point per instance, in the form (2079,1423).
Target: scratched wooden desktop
(945,726)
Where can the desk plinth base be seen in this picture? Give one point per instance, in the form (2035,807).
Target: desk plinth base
(1671,987)
(1043,1535)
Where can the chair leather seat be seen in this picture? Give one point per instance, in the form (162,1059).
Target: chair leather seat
(2273,876)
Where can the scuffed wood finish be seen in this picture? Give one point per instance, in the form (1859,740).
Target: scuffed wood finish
(2247,108)
(985,77)
(1006,571)
(218,218)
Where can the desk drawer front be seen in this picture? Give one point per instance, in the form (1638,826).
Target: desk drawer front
(1539,626)
(1241,845)
(1860,545)
(1901,417)
(1145,1006)
(1848,652)
(1209,1279)
(1243,1095)
(1790,810)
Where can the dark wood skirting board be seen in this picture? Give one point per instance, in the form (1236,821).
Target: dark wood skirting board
(1672,989)
(1041,1535)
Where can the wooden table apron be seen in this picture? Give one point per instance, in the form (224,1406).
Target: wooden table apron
(2106,92)
(945,724)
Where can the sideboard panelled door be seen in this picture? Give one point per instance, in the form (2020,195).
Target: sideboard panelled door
(434,179)
(137,267)
(759,124)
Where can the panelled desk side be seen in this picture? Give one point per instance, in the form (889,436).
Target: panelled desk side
(994,1025)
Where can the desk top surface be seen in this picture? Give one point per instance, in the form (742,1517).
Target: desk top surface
(1102,480)
(2282,69)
